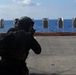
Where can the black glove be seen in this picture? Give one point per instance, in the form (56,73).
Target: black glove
(32,31)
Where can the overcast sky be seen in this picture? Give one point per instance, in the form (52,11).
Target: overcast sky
(38,9)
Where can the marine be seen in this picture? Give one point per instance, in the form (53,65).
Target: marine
(15,47)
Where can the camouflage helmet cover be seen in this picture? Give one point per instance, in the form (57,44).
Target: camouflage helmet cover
(25,22)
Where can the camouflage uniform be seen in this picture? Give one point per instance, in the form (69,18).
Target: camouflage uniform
(16,45)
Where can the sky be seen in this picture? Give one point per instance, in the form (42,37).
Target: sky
(37,9)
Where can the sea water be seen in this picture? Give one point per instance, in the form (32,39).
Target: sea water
(38,25)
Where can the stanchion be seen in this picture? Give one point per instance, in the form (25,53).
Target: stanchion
(45,23)
(60,23)
(16,22)
(1,23)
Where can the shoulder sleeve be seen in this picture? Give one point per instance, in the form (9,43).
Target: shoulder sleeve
(6,41)
(5,44)
(35,46)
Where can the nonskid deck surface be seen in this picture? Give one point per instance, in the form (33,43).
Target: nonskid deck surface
(58,56)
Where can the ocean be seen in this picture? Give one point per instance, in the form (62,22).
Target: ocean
(53,26)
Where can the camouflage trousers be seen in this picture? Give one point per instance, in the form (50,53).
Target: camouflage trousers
(13,68)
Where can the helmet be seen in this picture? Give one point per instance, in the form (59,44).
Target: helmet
(25,22)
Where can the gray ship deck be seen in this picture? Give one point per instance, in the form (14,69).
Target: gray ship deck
(58,56)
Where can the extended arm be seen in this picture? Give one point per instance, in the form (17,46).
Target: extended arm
(35,46)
